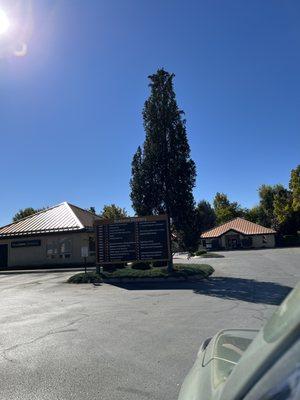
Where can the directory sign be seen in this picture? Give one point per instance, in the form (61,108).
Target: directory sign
(133,239)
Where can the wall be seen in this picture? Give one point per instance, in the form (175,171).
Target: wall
(257,240)
(37,255)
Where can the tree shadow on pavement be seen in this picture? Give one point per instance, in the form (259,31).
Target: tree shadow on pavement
(248,290)
(228,288)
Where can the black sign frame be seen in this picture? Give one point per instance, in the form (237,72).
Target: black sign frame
(131,247)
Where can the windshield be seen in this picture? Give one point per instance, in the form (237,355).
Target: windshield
(228,348)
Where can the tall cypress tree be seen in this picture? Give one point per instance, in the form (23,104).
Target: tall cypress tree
(138,187)
(163,174)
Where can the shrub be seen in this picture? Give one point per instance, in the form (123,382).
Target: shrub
(212,255)
(141,265)
(82,277)
(159,264)
(180,270)
(129,273)
(193,269)
(200,252)
(113,267)
(291,240)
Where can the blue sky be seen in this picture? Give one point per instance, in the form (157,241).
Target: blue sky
(71,108)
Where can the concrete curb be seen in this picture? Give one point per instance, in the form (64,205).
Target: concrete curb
(147,280)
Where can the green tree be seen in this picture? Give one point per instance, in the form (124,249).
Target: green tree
(163,174)
(205,217)
(92,210)
(226,210)
(295,188)
(271,196)
(112,211)
(26,212)
(267,194)
(277,212)
(282,209)
(254,214)
(138,186)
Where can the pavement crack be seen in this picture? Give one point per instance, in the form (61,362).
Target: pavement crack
(56,331)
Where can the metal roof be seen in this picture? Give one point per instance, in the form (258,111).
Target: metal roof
(240,225)
(60,218)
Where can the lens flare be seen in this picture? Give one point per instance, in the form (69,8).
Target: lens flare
(4,22)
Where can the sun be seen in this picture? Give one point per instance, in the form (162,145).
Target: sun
(4,22)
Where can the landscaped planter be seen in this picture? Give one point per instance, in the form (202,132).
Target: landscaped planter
(181,272)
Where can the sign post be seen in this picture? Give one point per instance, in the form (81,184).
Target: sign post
(133,239)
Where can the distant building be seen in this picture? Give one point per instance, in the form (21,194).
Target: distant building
(238,234)
(54,236)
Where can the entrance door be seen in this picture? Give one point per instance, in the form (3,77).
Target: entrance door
(232,243)
(3,255)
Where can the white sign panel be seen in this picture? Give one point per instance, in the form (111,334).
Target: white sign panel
(84,251)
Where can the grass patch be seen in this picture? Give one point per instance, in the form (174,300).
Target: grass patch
(82,277)
(212,255)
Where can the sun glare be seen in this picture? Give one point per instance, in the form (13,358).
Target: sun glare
(4,22)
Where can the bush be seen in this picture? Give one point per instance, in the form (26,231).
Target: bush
(180,270)
(200,252)
(158,264)
(129,273)
(193,269)
(141,265)
(113,267)
(291,240)
(212,255)
(191,254)
(82,277)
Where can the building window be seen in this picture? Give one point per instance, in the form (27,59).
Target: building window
(59,248)
(51,249)
(65,248)
(92,246)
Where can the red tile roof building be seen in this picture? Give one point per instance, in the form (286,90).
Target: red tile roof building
(239,233)
(240,225)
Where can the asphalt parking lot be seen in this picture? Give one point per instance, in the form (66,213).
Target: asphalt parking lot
(60,341)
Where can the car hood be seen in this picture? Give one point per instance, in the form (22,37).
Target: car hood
(215,363)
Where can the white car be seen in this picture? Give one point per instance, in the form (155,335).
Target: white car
(249,364)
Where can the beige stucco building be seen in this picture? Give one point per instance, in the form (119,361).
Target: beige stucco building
(60,235)
(238,234)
